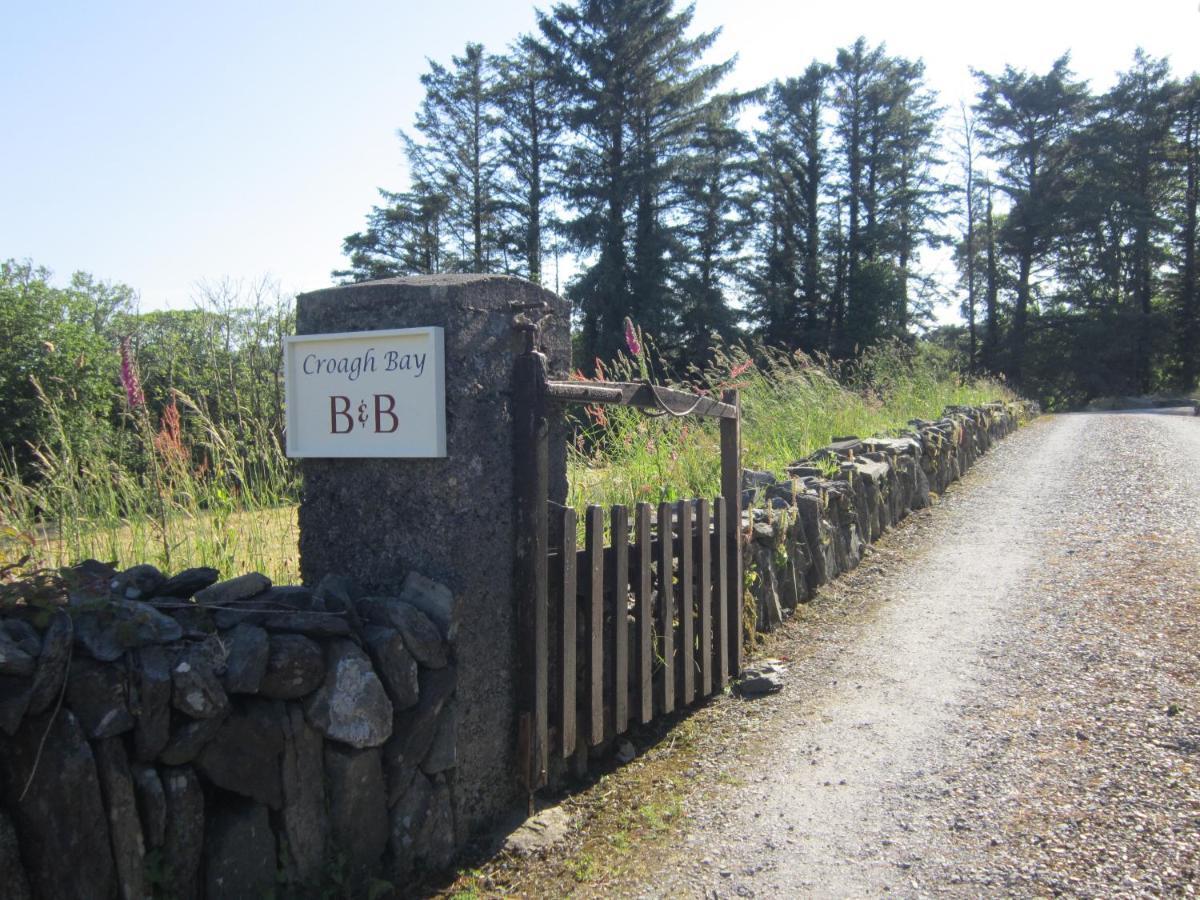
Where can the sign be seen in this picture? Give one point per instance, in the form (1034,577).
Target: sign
(366,394)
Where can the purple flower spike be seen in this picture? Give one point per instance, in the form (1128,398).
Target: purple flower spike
(631,338)
(129,377)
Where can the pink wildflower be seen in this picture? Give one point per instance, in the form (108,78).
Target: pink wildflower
(631,338)
(129,377)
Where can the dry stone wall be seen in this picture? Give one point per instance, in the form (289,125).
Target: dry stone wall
(186,737)
(189,737)
(812,523)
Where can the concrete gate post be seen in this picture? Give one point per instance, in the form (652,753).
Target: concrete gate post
(450,519)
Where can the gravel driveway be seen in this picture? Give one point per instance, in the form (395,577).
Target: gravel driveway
(1019,713)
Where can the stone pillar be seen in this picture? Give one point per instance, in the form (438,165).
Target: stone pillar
(449,519)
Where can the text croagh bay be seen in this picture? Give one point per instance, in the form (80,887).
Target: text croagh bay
(366,394)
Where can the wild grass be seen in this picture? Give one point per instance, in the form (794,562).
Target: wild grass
(186,490)
(791,405)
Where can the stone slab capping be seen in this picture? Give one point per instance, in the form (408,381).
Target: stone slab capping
(189,736)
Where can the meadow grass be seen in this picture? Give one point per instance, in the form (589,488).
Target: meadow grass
(791,406)
(198,494)
(188,494)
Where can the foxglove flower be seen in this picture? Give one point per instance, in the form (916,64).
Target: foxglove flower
(129,377)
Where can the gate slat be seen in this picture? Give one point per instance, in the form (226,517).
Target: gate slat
(704,595)
(721,619)
(687,600)
(644,613)
(567,632)
(731,490)
(595,548)
(666,607)
(620,542)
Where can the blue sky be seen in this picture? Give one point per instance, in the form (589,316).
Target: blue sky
(167,144)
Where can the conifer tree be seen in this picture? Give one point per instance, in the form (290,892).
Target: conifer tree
(636,94)
(1026,122)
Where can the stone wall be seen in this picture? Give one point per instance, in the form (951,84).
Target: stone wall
(812,523)
(187,738)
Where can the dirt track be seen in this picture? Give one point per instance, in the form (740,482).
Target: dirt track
(1013,710)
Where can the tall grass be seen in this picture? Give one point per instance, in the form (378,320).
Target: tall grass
(186,490)
(791,406)
(189,495)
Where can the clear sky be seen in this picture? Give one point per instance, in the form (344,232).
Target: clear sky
(163,144)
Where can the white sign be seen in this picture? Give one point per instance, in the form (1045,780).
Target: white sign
(366,394)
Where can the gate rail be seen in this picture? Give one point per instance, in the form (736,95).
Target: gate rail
(656,621)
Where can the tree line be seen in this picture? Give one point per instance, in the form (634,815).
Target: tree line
(809,212)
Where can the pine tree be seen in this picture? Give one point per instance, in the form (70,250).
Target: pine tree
(636,94)
(1026,122)
(530,106)
(1188,266)
(887,145)
(403,237)
(789,285)
(458,154)
(712,213)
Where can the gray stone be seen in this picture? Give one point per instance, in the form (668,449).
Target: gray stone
(14,701)
(272,602)
(416,729)
(396,667)
(755,480)
(313,624)
(210,652)
(442,753)
(247,664)
(121,625)
(305,824)
(433,599)
(188,739)
(12,871)
(61,821)
(243,756)
(183,841)
(338,592)
(195,689)
(240,851)
(766,677)
(151,803)
(16,659)
(187,583)
(98,693)
(197,622)
(129,849)
(414,503)
(150,701)
(539,833)
(351,705)
(421,636)
(358,814)
(435,842)
(295,667)
(235,590)
(407,819)
(138,582)
(52,663)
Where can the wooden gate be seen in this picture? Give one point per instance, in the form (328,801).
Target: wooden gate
(623,630)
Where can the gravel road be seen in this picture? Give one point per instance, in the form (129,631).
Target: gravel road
(1016,710)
